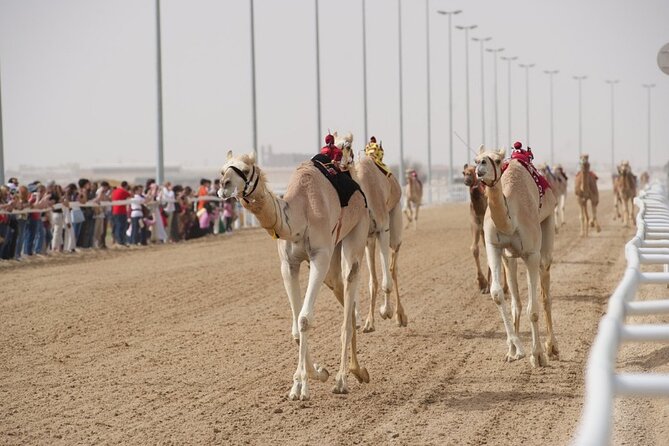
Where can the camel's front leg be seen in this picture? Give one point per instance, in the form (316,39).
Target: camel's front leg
(290,271)
(511,267)
(386,309)
(594,222)
(538,358)
(415,216)
(584,217)
(563,199)
(408,211)
(484,286)
(319,263)
(497,294)
(395,243)
(370,253)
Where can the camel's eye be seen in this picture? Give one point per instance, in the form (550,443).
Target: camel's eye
(498,161)
(246,171)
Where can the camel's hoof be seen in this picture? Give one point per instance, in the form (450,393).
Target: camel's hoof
(599,228)
(322,373)
(295,391)
(538,360)
(552,351)
(514,357)
(369,326)
(361,375)
(401,319)
(340,387)
(386,312)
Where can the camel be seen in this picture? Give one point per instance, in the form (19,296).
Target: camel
(624,188)
(310,226)
(413,194)
(585,186)
(518,223)
(478,204)
(383,194)
(558,182)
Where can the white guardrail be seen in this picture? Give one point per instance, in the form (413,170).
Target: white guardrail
(650,246)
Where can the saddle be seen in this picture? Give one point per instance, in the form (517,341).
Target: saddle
(341,181)
(524,158)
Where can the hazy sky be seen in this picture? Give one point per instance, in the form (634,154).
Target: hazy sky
(78,77)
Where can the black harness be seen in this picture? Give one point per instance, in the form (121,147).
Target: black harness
(247,181)
(492,163)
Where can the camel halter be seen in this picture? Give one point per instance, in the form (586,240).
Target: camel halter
(247,181)
(497,178)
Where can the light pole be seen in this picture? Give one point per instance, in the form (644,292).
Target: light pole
(364,64)
(509,59)
(399,36)
(429,106)
(527,99)
(612,83)
(494,52)
(466,30)
(580,115)
(482,40)
(253,85)
(160,165)
(318,80)
(648,87)
(550,73)
(450,15)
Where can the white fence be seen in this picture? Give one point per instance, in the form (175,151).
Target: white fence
(650,246)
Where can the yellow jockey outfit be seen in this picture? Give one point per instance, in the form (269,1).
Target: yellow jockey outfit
(375,151)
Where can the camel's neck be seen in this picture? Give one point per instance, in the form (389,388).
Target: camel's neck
(585,180)
(499,210)
(271,211)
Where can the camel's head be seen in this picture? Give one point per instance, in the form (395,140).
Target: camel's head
(239,176)
(469,175)
(624,168)
(584,161)
(345,143)
(489,165)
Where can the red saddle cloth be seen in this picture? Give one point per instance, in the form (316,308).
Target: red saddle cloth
(524,157)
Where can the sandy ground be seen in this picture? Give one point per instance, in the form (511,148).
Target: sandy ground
(190,344)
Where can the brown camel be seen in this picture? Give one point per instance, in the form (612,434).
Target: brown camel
(624,188)
(585,186)
(383,193)
(519,223)
(478,204)
(413,197)
(310,226)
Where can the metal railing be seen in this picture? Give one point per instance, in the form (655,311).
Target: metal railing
(650,246)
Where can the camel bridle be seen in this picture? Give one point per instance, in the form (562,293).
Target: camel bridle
(497,177)
(247,181)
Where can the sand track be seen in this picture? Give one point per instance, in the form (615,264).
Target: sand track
(190,343)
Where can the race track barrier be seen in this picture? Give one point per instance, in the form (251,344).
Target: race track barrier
(650,246)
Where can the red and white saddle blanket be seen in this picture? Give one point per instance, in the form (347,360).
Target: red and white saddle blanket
(525,158)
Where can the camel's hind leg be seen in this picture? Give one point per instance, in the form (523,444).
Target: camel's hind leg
(408,211)
(395,243)
(561,205)
(583,204)
(545,278)
(415,216)
(370,253)
(484,285)
(351,261)
(538,357)
(594,222)
(495,261)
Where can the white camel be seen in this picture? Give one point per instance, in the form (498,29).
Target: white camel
(310,226)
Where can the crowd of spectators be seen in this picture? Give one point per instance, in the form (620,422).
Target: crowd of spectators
(43,219)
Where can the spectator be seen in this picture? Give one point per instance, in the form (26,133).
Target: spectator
(85,230)
(6,231)
(57,220)
(120,214)
(102,193)
(228,214)
(166,197)
(137,235)
(21,201)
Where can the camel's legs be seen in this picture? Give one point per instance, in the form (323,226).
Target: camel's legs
(395,243)
(484,286)
(370,253)
(385,310)
(408,211)
(497,294)
(511,267)
(290,270)
(594,222)
(538,358)
(545,276)
(351,259)
(415,216)
(584,217)
(319,265)
(561,205)
(626,215)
